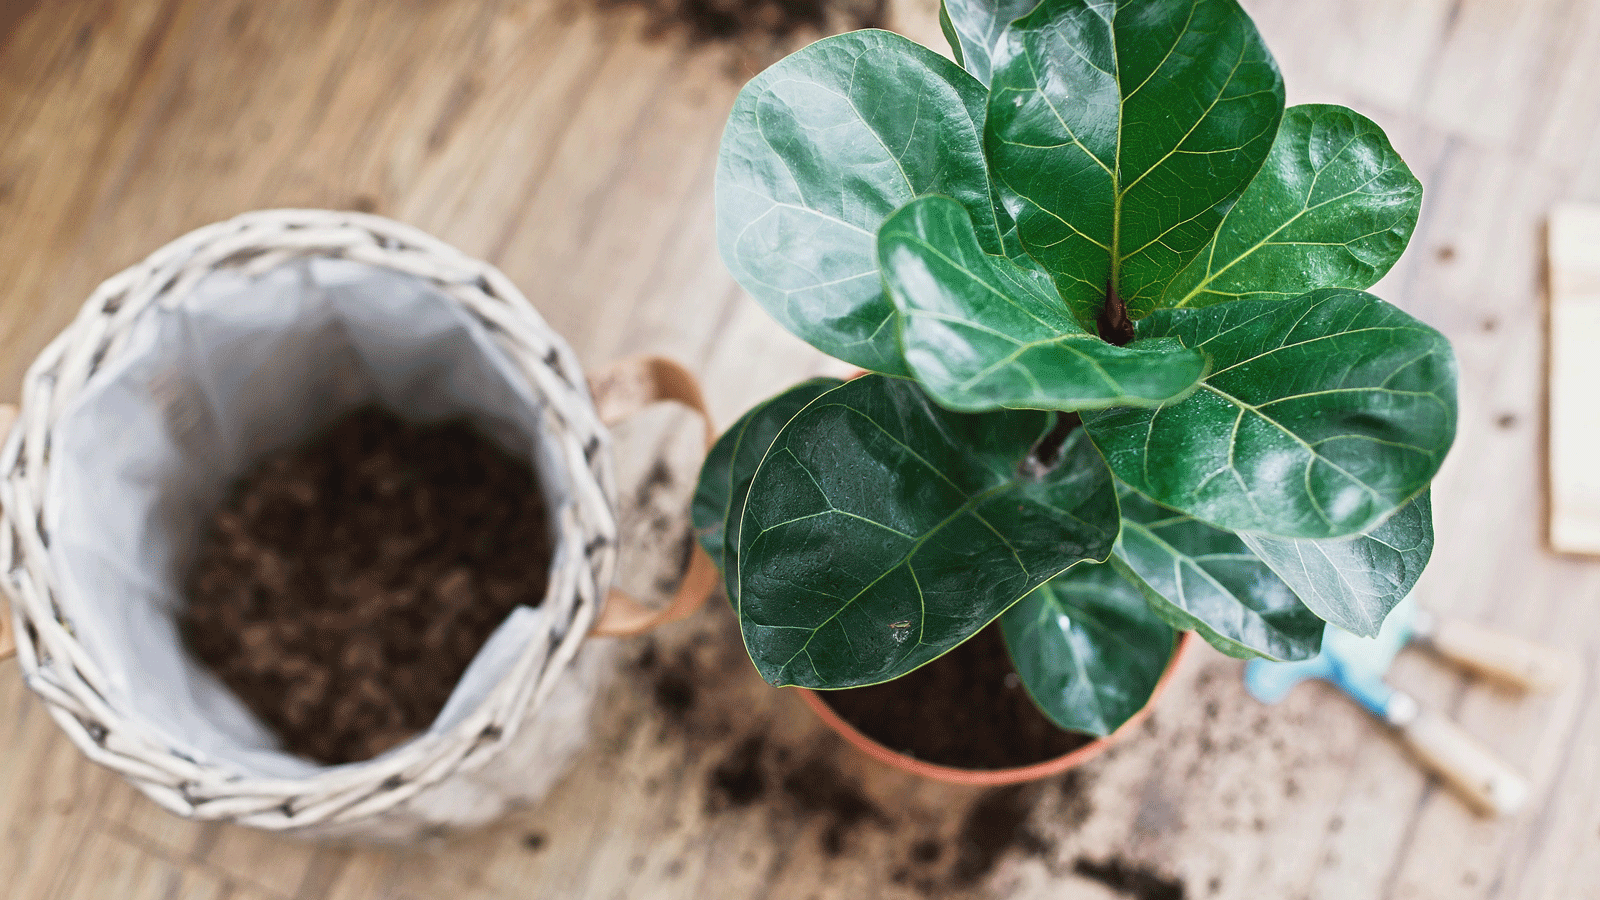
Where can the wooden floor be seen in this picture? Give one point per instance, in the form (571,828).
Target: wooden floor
(557,142)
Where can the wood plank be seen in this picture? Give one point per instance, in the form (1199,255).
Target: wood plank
(1498,62)
(73,84)
(277,865)
(50,796)
(578,155)
(1574,371)
(110,867)
(367,875)
(1380,52)
(133,816)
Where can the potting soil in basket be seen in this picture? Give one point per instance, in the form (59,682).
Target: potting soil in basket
(347,583)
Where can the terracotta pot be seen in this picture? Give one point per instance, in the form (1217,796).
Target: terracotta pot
(993,777)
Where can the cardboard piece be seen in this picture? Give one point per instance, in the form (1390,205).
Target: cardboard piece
(1574,246)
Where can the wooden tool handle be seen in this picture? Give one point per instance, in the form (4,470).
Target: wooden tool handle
(1487,783)
(1498,656)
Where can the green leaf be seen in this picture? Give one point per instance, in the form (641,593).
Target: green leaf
(982,332)
(1334,206)
(882,530)
(819,150)
(1321,416)
(975,27)
(1355,582)
(1088,648)
(729,465)
(1118,134)
(1206,579)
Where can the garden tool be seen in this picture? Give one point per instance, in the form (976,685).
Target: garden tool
(1357,666)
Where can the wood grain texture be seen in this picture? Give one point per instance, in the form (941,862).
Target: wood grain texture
(561,144)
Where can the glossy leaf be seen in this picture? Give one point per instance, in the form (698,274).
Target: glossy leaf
(1206,579)
(983,332)
(729,465)
(1334,206)
(819,150)
(1321,416)
(1354,582)
(882,530)
(1119,132)
(975,27)
(1088,648)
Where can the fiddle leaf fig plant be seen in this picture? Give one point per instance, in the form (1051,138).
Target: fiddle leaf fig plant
(1123,377)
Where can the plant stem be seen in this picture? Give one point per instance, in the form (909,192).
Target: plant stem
(1115,326)
(1046,454)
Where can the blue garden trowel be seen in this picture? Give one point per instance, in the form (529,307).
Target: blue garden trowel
(1358,665)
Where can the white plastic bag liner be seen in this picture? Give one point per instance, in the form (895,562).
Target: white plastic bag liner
(237,353)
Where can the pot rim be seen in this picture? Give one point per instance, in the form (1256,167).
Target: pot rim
(995,777)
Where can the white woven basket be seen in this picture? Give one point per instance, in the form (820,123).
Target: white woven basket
(438,779)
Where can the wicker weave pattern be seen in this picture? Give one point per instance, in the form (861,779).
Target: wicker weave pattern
(337,800)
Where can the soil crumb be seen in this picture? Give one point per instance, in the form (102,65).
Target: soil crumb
(817,788)
(1130,879)
(706,21)
(674,692)
(1076,805)
(996,823)
(739,780)
(966,709)
(927,851)
(345,584)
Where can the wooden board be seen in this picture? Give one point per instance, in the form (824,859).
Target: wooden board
(567,147)
(1574,376)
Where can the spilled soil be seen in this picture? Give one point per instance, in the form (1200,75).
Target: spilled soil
(995,824)
(1129,879)
(757,21)
(759,767)
(798,784)
(744,759)
(817,789)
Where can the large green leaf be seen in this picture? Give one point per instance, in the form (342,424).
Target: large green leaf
(1334,206)
(984,332)
(974,29)
(882,530)
(1206,579)
(1321,416)
(819,150)
(729,465)
(1354,582)
(1088,648)
(1119,132)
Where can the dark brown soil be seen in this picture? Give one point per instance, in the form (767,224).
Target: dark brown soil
(1129,879)
(995,824)
(739,780)
(346,584)
(965,709)
(762,20)
(818,789)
